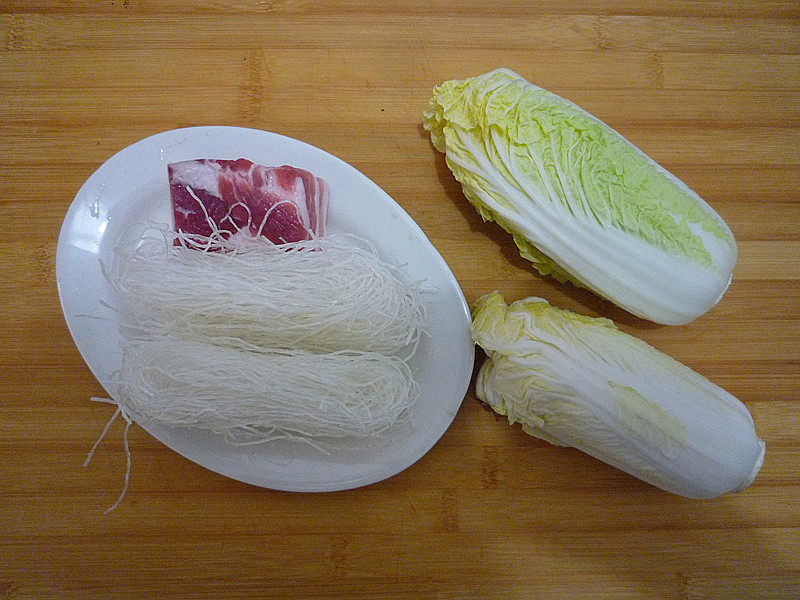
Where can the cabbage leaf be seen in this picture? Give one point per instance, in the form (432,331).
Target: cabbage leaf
(582,203)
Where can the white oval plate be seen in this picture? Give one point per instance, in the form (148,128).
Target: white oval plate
(130,191)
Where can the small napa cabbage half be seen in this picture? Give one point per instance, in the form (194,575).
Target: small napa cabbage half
(579,381)
(582,203)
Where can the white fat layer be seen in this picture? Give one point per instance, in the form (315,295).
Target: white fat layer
(199,175)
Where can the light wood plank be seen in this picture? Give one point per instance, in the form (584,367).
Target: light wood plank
(727,71)
(745,8)
(669,145)
(533,29)
(88,104)
(769,260)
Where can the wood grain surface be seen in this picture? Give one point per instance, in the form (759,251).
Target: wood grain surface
(710,89)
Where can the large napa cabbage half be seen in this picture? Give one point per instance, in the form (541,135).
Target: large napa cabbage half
(579,381)
(582,203)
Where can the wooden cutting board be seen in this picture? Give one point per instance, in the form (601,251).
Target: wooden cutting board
(708,89)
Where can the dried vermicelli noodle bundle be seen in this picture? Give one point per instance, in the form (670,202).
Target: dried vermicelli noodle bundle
(319,295)
(252,397)
(308,341)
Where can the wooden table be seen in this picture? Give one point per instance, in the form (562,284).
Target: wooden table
(709,89)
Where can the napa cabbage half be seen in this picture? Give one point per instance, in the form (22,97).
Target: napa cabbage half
(579,381)
(582,203)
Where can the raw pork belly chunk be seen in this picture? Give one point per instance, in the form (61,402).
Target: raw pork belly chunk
(236,197)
